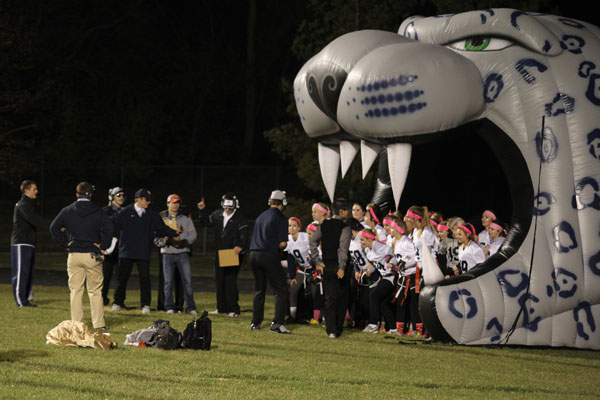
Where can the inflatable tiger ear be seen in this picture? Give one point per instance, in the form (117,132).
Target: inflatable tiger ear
(501,71)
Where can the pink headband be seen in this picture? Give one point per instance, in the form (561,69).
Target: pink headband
(297,220)
(491,214)
(434,223)
(442,227)
(397,227)
(373,215)
(495,226)
(311,227)
(367,235)
(320,208)
(412,214)
(464,228)
(387,221)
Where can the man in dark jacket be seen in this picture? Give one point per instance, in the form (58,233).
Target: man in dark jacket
(26,221)
(138,225)
(231,232)
(89,232)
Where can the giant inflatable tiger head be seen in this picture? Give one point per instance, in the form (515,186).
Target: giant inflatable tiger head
(509,70)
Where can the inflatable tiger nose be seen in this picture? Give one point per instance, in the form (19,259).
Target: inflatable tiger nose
(530,83)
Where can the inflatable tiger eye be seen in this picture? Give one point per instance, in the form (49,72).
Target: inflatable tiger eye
(529,85)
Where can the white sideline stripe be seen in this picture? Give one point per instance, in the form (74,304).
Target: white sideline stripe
(18,295)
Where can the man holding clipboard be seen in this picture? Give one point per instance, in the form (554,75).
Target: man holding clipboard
(231,240)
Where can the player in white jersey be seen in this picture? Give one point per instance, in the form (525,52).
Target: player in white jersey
(316,284)
(389,231)
(381,291)
(299,268)
(359,284)
(374,220)
(487,217)
(469,252)
(497,233)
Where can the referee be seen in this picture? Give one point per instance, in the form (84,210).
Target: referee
(268,239)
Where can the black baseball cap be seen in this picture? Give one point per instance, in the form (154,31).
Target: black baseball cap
(145,193)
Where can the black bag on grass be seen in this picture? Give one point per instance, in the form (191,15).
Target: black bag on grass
(167,338)
(198,333)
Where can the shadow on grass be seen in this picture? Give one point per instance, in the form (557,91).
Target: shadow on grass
(20,355)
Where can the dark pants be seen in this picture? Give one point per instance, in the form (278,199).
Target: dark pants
(360,301)
(267,266)
(408,301)
(336,298)
(379,298)
(22,258)
(125,267)
(178,285)
(108,266)
(227,288)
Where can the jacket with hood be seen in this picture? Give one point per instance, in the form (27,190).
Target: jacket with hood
(25,222)
(86,224)
(186,238)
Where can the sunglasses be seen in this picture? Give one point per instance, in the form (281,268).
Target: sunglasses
(120,195)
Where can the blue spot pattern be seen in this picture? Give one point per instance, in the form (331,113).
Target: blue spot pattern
(583,197)
(542,203)
(492,87)
(595,263)
(513,19)
(571,23)
(547,46)
(390,98)
(561,104)
(565,287)
(528,322)
(400,80)
(484,17)
(546,145)
(585,69)
(471,302)
(494,323)
(564,237)
(593,140)
(523,67)
(410,31)
(510,289)
(589,319)
(573,44)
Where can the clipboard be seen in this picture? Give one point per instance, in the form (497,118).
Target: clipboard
(228,258)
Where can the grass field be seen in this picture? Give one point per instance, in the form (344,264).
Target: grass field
(260,364)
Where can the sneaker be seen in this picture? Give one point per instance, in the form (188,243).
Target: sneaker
(313,322)
(392,331)
(233,315)
(115,308)
(170,311)
(371,328)
(255,327)
(213,312)
(146,310)
(279,329)
(193,312)
(332,336)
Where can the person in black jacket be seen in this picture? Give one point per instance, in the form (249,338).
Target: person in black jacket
(89,232)
(231,232)
(22,243)
(334,236)
(138,225)
(116,199)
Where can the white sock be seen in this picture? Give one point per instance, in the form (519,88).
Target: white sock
(293,311)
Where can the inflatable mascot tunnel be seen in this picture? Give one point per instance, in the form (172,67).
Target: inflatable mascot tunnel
(533,82)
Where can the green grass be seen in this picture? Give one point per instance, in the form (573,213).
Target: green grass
(260,364)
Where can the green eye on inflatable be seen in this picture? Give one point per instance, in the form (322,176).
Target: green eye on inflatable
(477,44)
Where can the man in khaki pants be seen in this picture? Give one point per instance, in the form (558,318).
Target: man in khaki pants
(89,232)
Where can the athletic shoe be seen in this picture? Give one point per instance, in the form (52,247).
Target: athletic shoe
(213,312)
(146,310)
(371,328)
(332,336)
(233,315)
(392,331)
(279,329)
(170,311)
(193,313)
(313,322)
(255,327)
(115,308)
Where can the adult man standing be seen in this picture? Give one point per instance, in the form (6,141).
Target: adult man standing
(137,225)
(231,232)
(268,239)
(176,254)
(89,232)
(116,199)
(334,236)
(22,243)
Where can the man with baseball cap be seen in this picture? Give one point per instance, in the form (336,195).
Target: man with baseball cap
(176,255)
(116,199)
(137,225)
(269,238)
